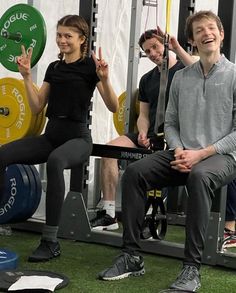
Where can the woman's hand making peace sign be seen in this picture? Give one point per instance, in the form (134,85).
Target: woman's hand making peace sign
(24,61)
(101,65)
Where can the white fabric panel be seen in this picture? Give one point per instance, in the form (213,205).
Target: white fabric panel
(207,5)
(113,37)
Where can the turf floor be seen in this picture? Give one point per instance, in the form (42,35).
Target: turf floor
(81,262)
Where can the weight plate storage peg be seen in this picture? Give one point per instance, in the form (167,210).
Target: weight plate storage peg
(16,117)
(21,24)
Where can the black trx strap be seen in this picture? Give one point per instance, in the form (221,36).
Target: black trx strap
(155,224)
(160,112)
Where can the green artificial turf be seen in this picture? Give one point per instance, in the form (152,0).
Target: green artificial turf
(81,262)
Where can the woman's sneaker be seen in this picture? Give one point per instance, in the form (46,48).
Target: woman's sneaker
(45,251)
(103,221)
(124,266)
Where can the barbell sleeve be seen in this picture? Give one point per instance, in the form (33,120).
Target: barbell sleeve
(4,111)
(12,36)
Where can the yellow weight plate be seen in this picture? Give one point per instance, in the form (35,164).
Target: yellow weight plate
(40,122)
(34,117)
(17,124)
(119,116)
(41,119)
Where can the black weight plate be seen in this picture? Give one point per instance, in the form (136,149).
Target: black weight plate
(32,198)
(38,186)
(8,277)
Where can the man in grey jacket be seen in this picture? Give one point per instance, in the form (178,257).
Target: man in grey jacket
(200,127)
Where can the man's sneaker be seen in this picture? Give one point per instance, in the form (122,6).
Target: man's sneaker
(188,280)
(125,265)
(103,221)
(45,251)
(229,239)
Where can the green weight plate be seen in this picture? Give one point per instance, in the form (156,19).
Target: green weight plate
(21,24)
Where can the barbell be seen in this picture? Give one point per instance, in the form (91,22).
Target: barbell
(21,24)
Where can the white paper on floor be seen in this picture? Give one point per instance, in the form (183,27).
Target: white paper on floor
(35,282)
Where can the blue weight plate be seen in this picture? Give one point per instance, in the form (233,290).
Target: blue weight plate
(22,199)
(17,189)
(8,259)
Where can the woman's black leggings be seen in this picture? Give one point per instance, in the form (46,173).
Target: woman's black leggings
(64,145)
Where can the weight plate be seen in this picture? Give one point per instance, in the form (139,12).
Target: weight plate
(35,118)
(26,22)
(18,123)
(37,181)
(8,259)
(17,189)
(119,116)
(9,277)
(36,190)
(40,123)
(28,210)
(19,214)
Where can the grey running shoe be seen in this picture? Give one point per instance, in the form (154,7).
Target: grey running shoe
(103,221)
(45,251)
(188,280)
(125,265)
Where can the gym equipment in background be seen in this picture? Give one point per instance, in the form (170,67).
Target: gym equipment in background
(8,260)
(16,117)
(22,193)
(119,115)
(21,24)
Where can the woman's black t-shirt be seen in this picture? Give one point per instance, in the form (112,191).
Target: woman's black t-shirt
(71,88)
